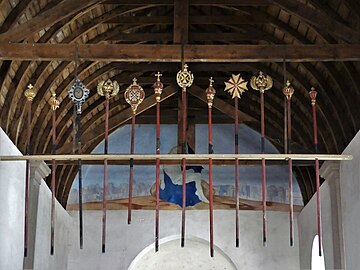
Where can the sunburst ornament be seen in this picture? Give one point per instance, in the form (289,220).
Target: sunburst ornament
(184,78)
(236,86)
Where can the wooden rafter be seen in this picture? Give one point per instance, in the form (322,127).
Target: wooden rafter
(172,53)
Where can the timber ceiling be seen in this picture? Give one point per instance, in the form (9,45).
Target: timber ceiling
(167,22)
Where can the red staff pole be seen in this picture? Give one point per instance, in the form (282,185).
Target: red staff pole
(313,94)
(288,92)
(134,95)
(54,103)
(210,94)
(158,87)
(237,172)
(184,79)
(30,95)
(262,83)
(106,89)
(236,86)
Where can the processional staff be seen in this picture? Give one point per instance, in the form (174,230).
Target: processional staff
(158,88)
(210,94)
(313,94)
(236,86)
(262,83)
(134,95)
(184,79)
(54,104)
(288,91)
(78,94)
(107,89)
(30,95)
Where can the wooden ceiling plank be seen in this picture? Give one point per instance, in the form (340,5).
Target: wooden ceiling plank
(46,19)
(319,19)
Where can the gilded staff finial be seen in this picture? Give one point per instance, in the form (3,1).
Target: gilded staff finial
(236,85)
(158,87)
(54,102)
(108,88)
(261,83)
(134,95)
(30,92)
(184,78)
(288,90)
(313,94)
(210,93)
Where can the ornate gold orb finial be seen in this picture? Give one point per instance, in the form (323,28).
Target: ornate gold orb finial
(134,95)
(236,86)
(184,78)
(288,90)
(108,88)
(30,92)
(313,94)
(261,83)
(158,87)
(210,93)
(54,102)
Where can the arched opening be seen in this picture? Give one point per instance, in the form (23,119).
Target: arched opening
(317,262)
(171,256)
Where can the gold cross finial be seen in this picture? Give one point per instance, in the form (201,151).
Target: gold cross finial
(158,75)
(134,81)
(30,86)
(185,67)
(211,81)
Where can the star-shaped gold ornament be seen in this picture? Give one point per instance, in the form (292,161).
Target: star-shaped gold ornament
(236,86)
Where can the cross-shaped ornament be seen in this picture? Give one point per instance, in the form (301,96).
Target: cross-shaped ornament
(158,75)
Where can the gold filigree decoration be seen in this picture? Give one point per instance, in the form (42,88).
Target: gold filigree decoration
(236,86)
(261,83)
(288,90)
(158,87)
(313,94)
(30,92)
(108,88)
(54,102)
(184,78)
(210,93)
(134,95)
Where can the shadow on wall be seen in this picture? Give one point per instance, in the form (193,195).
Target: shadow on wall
(196,255)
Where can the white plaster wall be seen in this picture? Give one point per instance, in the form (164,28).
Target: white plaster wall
(350,201)
(12,205)
(125,242)
(42,258)
(307,224)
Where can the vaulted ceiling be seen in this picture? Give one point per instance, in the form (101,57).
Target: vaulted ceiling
(31,30)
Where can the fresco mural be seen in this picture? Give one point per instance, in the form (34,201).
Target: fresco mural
(197,176)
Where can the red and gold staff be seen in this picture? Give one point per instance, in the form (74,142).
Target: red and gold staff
(134,95)
(78,94)
(158,88)
(107,89)
(210,94)
(262,83)
(30,95)
(288,91)
(54,103)
(313,94)
(236,86)
(184,79)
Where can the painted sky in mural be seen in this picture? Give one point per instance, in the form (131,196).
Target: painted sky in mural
(144,176)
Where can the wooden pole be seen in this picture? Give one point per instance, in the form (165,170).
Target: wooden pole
(288,92)
(236,174)
(313,94)
(30,95)
(54,103)
(131,176)
(158,87)
(210,94)
(78,143)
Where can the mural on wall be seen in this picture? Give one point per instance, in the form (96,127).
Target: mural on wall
(197,176)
